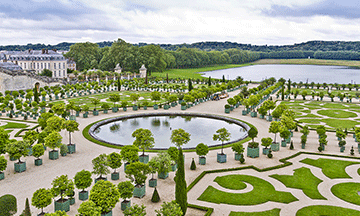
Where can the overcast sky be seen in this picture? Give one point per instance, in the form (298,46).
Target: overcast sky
(272,22)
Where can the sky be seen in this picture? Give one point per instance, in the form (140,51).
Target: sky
(257,22)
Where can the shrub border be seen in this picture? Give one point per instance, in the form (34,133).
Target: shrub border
(25,129)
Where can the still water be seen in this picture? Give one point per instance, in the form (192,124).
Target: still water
(200,128)
(297,73)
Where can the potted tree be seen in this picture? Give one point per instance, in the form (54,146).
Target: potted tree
(173,152)
(227,108)
(126,189)
(170,208)
(253,149)
(155,96)
(137,172)
(31,137)
(222,135)
(303,141)
(270,105)
(135,210)
(53,140)
(114,161)
(154,166)
(105,107)
(89,208)
(275,128)
(100,167)
(284,133)
(85,108)
(145,104)
(82,181)
(38,151)
(305,130)
(114,98)
(134,97)
(202,150)
(262,111)
(238,148)
(95,101)
(266,142)
(71,126)
(41,198)
(143,139)
(124,105)
(323,142)
(61,186)
(340,134)
(16,150)
(3,165)
(164,164)
(342,145)
(253,101)
(184,106)
(105,195)
(71,195)
(129,153)
(63,150)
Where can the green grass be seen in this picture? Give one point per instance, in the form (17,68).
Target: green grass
(320,210)
(331,168)
(337,113)
(272,212)
(310,121)
(334,106)
(230,182)
(263,192)
(347,191)
(302,179)
(9,131)
(359,171)
(14,125)
(338,123)
(193,72)
(306,111)
(308,116)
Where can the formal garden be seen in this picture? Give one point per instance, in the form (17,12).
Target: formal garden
(292,161)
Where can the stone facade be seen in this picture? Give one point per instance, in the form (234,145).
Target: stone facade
(143,71)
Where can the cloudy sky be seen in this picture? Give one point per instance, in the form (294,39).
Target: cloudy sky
(272,22)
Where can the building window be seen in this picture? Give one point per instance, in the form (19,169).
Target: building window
(41,65)
(24,65)
(54,73)
(64,65)
(38,66)
(48,65)
(63,73)
(59,65)
(59,73)
(54,65)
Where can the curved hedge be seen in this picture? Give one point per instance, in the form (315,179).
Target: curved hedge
(8,205)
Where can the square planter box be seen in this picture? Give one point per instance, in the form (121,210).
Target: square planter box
(83,195)
(221,158)
(237,156)
(72,201)
(115,176)
(163,175)
(269,118)
(96,113)
(244,112)
(144,159)
(38,162)
(99,179)
(85,115)
(266,151)
(288,139)
(20,167)
(342,149)
(124,108)
(275,146)
(283,143)
(202,160)
(135,108)
(115,109)
(253,152)
(145,107)
(72,117)
(156,107)
(107,213)
(2,175)
(125,204)
(54,155)
(183,107)
(227,110)
(173,167)
(253,114)
(262,116)
(63,205)
(152,182)
(139,192)
(302,146)
(71,148)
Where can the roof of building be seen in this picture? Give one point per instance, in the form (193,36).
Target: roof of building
(34,55)
(10,66)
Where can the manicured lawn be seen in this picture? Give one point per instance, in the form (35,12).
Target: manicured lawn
(337,113)
(272,212)
(308,116)
(326,210)
(348,192)
(331,168)
(338,123)
(302,179)
(311,121)
(14,125)
(230,182)
(193,72)
(359,171)
(263,192)
(334,106)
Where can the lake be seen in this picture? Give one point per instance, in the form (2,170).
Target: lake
(297,73)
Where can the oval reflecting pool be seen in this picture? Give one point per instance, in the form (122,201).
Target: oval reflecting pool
(118,131)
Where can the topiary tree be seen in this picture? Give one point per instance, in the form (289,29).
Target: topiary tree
(114,98)
(114,161)
(105,106)
(202,150)
(274,128)
(252,133)
(89,208)
(169,208)
(17,149)
(61,186)
(143,139)
(100,166)
(53,140)
(179,137)
(137,172)
(105,195)
(71,126)
(193,165)
(266,142)
(129,153)
(135,210)
(284,133)
(41,199)
(26,211)
(155,96)
(155,198)
(174,152)
(82,180)
(180,187)
(222,135)
(8,205)
(38,151)
(126,189)
(269,105)
(95,101)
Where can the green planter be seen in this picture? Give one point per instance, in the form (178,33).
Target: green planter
(231,108)
(156,107)
(152,182)
(135,107)
(125,204)
(72,201)
(275,146)
(144,159)
(2,175)
(173,104)
(71,148)
(54,155)
(115,109)
(237,156)
(72,117)
(62,205)
(139,191)
(221,158)
(124,108)
(283,143)
(12,159)
(85,115)
(166,106)
(202,160)
(107,213)
(38,162)
(244,112)
(303,146)
(253,114)
(173,167)
(77,114)
(342,148)
(266,151)
(95,113)
(105,111)
(163,175)
(183,107)
(227,110)
(288,139)
(100,178)
(83,195)
(64,154)
(20,167)
(30,151)
(262,116)
(145,107)
(252,152)
(115,176)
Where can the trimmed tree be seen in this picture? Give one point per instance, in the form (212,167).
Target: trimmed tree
(135,210)
(38,151)
(105,195)
(129,153)
(137,172)
(100,166)
(114,161)
(143,139)
(155,197)
(89,208)
(82,181)
(126,190)
(169,208)
(62,186)
(27,211)
(8,205)
(4,139)
(71,126)
(201,151)
(222,135)
(3,165)
(16,150)
(41,199)
(53,140)
(266,142)
(274,128)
